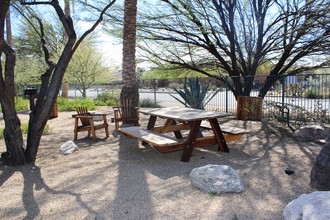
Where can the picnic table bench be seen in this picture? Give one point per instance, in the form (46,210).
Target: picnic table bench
(176,120)
(230,133)
(166,144)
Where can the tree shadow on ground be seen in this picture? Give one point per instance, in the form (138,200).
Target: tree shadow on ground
(33,182)
(132,183)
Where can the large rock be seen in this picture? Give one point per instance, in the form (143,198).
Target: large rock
(216,179)
(311,133)
(68,148)
(315,205)
(320,173)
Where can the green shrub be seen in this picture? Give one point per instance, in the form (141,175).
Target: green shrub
(106,99)
(148,103)
(21,104)
(316,94)
(1,133)
(25,128)
(71,105)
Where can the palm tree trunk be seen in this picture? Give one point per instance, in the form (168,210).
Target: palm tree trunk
(320,174)
(130,89)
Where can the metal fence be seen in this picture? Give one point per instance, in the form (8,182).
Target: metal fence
(307,97)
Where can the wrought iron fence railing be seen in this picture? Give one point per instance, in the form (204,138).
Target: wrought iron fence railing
(307,97)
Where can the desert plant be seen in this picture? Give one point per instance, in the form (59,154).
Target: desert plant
(194,94)
(148,103)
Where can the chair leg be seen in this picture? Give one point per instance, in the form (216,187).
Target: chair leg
(76,129)
(107,131)
(93,135)
(116,117)
(92,129)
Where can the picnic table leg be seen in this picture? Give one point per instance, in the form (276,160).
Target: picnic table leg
(218,135)
(151,124)
(191,140)
(168,124)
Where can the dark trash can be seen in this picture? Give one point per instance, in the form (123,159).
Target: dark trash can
(32,92)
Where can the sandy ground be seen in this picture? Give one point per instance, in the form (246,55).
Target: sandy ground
(118,178)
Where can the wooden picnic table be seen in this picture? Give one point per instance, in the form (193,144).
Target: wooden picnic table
(176,120)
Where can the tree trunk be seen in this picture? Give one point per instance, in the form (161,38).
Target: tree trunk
(50,85)
(320,174)
(46,99)
(130,88)
(249,108)
(65,90)
(12,133)
(8,29)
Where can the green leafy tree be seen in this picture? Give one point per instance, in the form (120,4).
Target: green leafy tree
(86,68)
(222,38)
(30,63)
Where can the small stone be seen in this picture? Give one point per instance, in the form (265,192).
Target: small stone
(68,148)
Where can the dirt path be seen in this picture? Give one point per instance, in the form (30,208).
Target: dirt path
(118,178)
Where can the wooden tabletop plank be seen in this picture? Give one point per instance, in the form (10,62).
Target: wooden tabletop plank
(182,114)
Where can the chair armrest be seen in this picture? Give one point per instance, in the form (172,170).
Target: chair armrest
(82,116)
(98,114)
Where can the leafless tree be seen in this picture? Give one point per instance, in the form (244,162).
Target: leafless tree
(234,37)
(50,85)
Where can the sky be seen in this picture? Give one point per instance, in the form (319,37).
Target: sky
(110,47)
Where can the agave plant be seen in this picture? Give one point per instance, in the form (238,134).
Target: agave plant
(194,94)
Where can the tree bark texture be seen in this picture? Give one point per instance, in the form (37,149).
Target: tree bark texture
(129,42)
(8,29)
(320,174)
(130,88)
(65,90)
(249,108)
(12,134)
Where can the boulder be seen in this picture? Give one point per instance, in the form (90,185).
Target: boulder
(315,205)
(68,148)
(311,133)
(216,179)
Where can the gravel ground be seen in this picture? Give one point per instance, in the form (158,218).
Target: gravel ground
(118,178)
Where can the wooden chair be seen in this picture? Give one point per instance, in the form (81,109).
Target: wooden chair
(126,113)
(88,120)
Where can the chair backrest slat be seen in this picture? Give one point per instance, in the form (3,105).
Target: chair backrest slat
(82,111)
